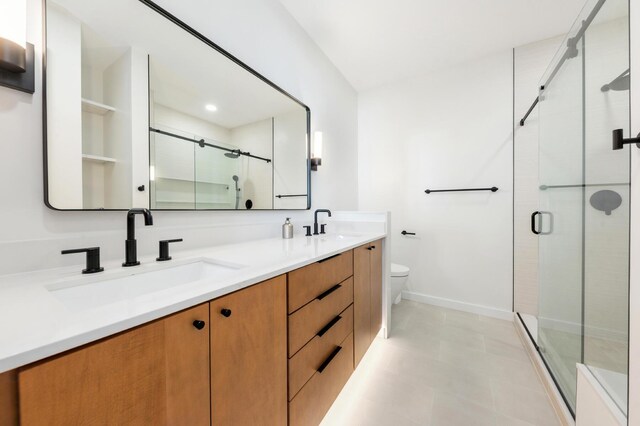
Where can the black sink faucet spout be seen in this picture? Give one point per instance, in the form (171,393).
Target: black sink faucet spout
(315,219)
(130,245)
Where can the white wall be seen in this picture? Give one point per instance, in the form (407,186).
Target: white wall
(450,129)
(65,130)
(259,32)
(287,151)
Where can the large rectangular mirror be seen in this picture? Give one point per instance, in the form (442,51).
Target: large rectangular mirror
(142,111)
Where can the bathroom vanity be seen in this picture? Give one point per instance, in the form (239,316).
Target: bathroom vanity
(268,343)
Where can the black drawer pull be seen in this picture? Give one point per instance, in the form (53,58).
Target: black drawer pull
(225,312)
(327,361)
(199,324)
(328,326)
(328,292)
(328,258)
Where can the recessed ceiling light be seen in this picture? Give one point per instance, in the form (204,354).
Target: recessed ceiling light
(211,107)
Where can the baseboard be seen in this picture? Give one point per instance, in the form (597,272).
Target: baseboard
(460,306)
(557,402)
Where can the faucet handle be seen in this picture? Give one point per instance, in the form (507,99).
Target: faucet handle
(308,230)
(164,249)
(93,259)
(322,225)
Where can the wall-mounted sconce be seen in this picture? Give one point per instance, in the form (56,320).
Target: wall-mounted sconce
(316,151)
(17,67)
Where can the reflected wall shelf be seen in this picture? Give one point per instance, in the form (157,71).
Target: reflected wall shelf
(98,159)
(192,181)
(96,107)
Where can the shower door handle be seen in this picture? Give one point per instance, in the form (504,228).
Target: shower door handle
(542,232)
(533,223)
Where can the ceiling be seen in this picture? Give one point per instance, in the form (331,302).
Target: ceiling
(374,42)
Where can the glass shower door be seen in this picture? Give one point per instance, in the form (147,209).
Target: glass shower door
(583,217)
(560,219)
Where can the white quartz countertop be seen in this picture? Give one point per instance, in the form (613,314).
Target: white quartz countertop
(35,324)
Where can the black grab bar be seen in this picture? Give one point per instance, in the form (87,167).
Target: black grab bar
(492,189)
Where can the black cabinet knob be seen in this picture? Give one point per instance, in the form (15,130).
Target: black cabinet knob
(226,312)
(199,324)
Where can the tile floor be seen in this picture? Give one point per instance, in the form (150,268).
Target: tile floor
(442,367)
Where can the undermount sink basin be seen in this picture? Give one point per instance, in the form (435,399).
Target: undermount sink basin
(85,294)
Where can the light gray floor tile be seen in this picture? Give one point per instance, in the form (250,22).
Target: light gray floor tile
(444,367)
(523,403)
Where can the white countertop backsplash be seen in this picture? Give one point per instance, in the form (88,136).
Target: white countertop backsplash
(34,324)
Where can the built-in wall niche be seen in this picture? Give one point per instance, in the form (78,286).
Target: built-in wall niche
(142,112)
(105,69)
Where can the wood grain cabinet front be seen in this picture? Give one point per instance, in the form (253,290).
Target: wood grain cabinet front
(367,296)
(249,356)
(307,283)
(156,374)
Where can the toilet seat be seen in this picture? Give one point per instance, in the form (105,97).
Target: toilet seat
(399,270)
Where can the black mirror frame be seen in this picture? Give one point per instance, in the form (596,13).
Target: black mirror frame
(209,43)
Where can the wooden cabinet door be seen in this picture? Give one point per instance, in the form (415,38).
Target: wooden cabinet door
(249,356)
(130,378)
(187,367)
(376,287)
(361,302)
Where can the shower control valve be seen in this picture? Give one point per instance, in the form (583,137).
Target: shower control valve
(619,141)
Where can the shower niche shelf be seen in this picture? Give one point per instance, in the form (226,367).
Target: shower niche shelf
(94,107)
(98,159)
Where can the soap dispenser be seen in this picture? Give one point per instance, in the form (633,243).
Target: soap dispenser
(287,230)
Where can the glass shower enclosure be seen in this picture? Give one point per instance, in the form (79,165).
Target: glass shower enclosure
(583,217)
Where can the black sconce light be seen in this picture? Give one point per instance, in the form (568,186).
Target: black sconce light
(316,151)
(17,66)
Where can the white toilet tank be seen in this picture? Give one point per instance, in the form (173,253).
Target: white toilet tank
(399,276)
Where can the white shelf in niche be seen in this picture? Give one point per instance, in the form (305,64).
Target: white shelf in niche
(96,107)
(192,181)
(98,159)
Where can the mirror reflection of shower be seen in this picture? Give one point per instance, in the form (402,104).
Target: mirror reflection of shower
(235,179)
(234,154)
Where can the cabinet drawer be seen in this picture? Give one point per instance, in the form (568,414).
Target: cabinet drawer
(304,364)
(310,405)
(306,322)
(308,282)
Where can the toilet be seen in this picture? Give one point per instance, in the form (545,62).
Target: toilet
(399,275)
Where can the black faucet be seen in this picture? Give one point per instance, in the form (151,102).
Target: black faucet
(130,246)
(315,220)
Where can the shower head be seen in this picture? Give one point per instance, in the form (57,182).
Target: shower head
(619,84)
(235,178)
(234,154)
